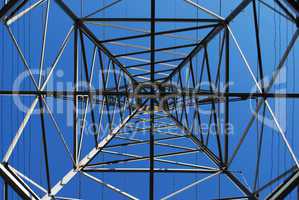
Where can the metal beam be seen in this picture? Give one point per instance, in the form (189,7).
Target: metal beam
(90,156)
(152,102)
(148,20)
(18,186)
(294,5)
(146,170)
(285,188)
(10,7)
(93,38)
(212,34)
(213,158)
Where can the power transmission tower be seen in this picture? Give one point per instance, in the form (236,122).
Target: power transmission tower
(150,97)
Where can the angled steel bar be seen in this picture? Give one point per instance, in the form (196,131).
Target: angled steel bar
(213,106)
(28,180)
(92,37)
(9,7)
(234,198)
(103,8)
(204,9)
(68,151)
(276,11)
(190,185)
(32,107)
(42,56)
(87,104)
(134,46)
(88,78)
(209,37)
(29,71)
(160,72)
(214,158)
(285,188)
(15,17)
(267,89)
(137,142)
(288,13)
(159,33)
(90,156)
(291,170)
(16,183)
(293,4)
(158,158)
(157,50)
(115,189)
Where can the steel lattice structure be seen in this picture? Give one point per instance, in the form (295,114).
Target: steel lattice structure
(143,85)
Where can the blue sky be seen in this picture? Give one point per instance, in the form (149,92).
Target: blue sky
(275,33)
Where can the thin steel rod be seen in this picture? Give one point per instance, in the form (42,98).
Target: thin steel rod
(115,189)
(144,170)
(14,18)
(183,20)
(42,57)
(190,186)
(159,33)
(272,81)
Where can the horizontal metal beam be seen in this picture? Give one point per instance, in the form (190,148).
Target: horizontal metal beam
(195,20)
(184,92)
(142,170)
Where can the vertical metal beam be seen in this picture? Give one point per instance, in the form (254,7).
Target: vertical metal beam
(45,146)
(226,109)
(5,191)
(75,114)
(258,45)
(152,117)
